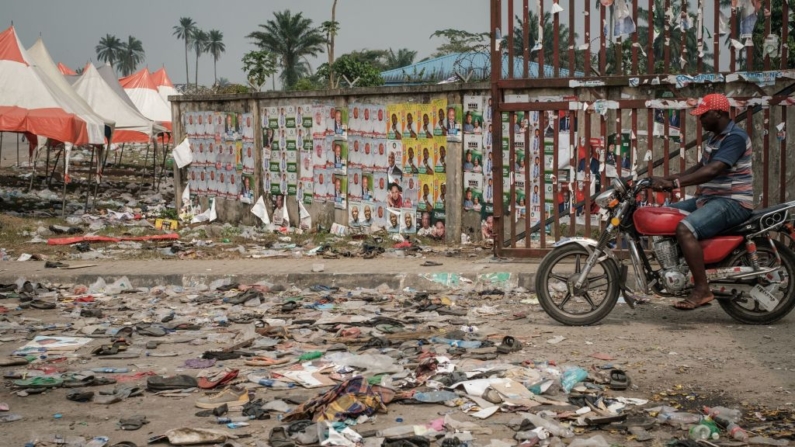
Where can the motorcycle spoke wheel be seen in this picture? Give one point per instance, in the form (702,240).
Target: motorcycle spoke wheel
(747,310)
(555,288)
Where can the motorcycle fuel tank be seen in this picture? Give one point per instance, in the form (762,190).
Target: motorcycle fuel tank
(657,221)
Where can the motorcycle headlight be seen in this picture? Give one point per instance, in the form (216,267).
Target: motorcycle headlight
(604,199)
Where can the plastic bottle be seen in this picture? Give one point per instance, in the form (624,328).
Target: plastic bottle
(706,429)
(469,329)
(678,417)
(237,424)
(736,432)
(110,370)
(311,355)
(553,428)
(222,420)
(397,431)
(466,344)
(729,414)
(571,377)
(276,384)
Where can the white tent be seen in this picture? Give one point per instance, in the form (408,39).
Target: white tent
(39,54)
(143,93)
(164,85)
(32,104)
(131,126)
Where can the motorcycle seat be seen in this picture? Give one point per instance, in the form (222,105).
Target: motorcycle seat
(752,224)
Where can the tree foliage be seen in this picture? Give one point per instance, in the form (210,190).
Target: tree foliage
(352,67)
(293,38)
(184,32)
(132,54)
(109,49)
(259,66)
(459,41)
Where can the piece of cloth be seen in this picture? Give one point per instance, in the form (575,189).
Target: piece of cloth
(350,399)
(714,216)
(732,147)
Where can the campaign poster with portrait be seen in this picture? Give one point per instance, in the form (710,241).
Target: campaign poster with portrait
(440,183)
(427,193)
(380,158)
(319,121)
(356,119)
(340,123)
(249,163)
(337,159)
(410,158)
(394,161)
(367,157)
(303,116)
(369,210)
(410,125)
(408,222)
(439,117)
(248,127)
(393,220)
(440,155)
(247,189)
(411,190)
(453,122)
(426,157)
(231,129)
(379,118)
(425,122)
(306,191)
(355,184)
(473,155)
(355,214)
(380,186)
(368,191)
(340,190)
(322,178)
(473,190)
(319,152)
(473,114)
(356,145)
(395,112)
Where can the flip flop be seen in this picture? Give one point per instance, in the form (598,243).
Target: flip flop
(265,361)
(36,304)
(689,305)
(80,396)
(133,422)
(105,350)
(619,380)
(207,384)
(40,382)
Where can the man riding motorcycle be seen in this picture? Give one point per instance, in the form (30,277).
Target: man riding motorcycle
(724,197)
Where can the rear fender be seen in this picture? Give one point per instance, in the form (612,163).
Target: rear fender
(590,245)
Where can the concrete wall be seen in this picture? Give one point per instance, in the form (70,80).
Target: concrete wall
(458,220)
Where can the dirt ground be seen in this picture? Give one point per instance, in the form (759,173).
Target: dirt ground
(673,357)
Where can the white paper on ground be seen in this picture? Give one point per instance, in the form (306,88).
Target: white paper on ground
(261,211)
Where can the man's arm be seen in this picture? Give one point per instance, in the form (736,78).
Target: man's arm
(689,171)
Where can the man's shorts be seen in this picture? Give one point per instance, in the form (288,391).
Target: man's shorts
(717,214)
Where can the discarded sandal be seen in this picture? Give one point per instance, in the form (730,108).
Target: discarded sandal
(508,345)
(619,380)
(133,422)
(80,396)
(265,361)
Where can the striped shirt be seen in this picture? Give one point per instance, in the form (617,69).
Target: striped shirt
(733,147)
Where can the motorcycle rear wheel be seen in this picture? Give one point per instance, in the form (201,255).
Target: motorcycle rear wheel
(747,310)
(554,285)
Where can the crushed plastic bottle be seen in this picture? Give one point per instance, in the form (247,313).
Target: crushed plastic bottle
(396,432)
(552,427)
(678,418)
(276,384)
(736,432)
(466,344)
(435,396)
(728,414)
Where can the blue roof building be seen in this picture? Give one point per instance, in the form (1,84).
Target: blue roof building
(447,67)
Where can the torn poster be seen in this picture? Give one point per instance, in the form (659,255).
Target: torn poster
(623,25)
(685,80)
(760,78)
(781,134)
(747,10)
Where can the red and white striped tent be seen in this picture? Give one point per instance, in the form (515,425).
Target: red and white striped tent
(39,55)
(164,85)
(31,104)
(131,125)
(143,92)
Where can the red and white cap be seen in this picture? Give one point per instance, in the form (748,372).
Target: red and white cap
(714,101)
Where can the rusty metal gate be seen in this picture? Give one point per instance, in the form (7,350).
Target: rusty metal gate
(585,117)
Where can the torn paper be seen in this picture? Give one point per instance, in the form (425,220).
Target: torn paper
(261,211)
(182,154)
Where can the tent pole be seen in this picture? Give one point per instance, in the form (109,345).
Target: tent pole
(100,171)
(63,202)
(163,165)
(33,166)
(154,166)
(54,168)
(2,134)
(17,149)
(146,158)
(47,168)
(90,174)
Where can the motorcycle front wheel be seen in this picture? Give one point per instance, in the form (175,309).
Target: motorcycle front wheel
(555,280)
(747,310)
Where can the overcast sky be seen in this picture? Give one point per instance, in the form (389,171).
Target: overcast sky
(71,29)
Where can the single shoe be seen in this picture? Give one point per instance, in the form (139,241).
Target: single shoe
(234,397)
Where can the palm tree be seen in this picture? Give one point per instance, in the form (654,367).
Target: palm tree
(109,49)
(184,31)
(292,38)
(132,54)
(200,40)
(215,46)
(403,58)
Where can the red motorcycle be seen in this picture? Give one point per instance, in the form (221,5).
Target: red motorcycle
(750,272)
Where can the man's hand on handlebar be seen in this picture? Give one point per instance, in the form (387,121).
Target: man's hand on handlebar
(661,184)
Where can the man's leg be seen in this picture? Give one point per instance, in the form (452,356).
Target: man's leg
(705,222)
